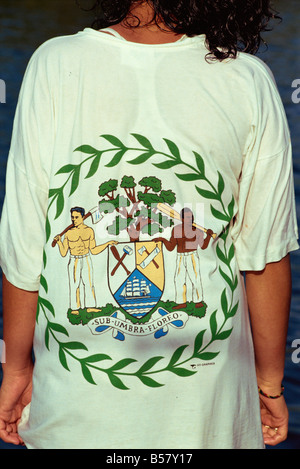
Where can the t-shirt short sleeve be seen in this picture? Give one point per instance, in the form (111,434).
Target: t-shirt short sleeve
(22,230)
(265,228)
(22,227)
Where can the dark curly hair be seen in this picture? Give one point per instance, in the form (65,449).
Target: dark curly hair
(229,25)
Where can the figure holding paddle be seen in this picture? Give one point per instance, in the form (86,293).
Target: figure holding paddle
(187,238)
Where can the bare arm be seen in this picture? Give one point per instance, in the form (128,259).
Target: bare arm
(19,313)
(269,295)
(101,247)
(62,246)
(98,249)
(170,245)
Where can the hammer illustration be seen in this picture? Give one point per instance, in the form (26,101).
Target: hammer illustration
(144,249)
(127,252)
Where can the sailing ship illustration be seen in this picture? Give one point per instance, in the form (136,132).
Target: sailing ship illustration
(136,288)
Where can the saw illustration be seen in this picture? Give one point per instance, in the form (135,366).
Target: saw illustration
(167,210)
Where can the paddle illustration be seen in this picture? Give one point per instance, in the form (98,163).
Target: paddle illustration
(167,210)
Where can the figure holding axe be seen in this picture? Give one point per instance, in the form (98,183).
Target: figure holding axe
(95,215)
(79,241)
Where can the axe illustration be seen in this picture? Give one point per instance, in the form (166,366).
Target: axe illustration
(150,258)
(127,252)
(144,249)
(96,217)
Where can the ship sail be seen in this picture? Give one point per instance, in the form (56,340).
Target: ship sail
(136,289)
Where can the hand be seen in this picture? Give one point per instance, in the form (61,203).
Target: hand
(15,394)
(158,239)
(206,241)
(112,243)
(274,417)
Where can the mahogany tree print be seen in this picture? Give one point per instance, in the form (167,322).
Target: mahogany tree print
(135,210)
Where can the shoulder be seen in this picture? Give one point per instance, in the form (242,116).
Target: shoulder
(254,68)
(55,62)
(89,230)
(177,231)
(244,70)
(58,49)
(251,76)
(247,77)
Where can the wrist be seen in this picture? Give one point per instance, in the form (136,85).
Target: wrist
(270,387)
(16,370)
(271,396)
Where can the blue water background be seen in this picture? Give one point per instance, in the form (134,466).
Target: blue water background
(25,24)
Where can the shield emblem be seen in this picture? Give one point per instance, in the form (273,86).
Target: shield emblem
(136,276)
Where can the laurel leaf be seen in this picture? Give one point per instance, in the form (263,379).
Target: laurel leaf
(150,382)
(176,355)
(122,364)
(87,374)
(182,372)
(213,323)
(63,358)
(116,382)
(148,365)
(199,342)
(96,358)
(143,141)
(207,356)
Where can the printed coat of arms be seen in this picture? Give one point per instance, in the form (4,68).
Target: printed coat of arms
(136,265)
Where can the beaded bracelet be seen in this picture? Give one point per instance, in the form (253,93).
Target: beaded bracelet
(271,397)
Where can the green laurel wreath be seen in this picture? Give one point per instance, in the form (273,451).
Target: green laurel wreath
(148,371)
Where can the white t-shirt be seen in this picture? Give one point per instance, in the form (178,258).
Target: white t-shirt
(144,342)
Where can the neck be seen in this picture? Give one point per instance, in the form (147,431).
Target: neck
(140,27)
(144,12)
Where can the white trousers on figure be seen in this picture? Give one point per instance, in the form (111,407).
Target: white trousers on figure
(188,269)
(81,282)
